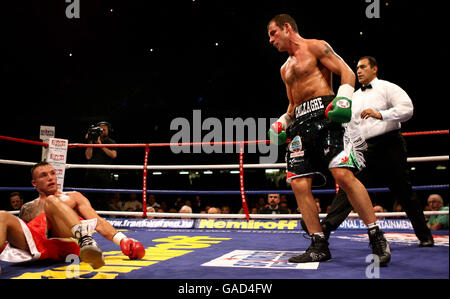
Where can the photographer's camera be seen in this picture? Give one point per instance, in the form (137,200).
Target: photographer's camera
(94,132)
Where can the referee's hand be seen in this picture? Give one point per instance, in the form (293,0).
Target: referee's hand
(371,113)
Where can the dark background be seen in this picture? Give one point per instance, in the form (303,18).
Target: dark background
(72,73)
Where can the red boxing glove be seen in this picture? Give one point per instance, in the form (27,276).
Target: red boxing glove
(277,133)
(277,127)
(132,248)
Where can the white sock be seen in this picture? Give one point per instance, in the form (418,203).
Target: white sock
(372,225)
(320,234)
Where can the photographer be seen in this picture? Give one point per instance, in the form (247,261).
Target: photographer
(99,178)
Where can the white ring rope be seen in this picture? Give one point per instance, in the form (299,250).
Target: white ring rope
(193,167)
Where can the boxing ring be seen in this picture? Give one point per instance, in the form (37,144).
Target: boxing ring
(238,246)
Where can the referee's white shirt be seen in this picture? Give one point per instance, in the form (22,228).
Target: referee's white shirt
(389,99)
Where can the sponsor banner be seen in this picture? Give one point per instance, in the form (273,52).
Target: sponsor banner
(260,259)
(46,132)
(252,225)
(151,223)
(397,224)
(240,224)
(293,225)
(57,156)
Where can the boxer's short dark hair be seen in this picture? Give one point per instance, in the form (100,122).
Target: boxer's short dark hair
(282,19)
(39,164)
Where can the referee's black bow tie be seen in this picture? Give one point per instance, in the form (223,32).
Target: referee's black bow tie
(366,87)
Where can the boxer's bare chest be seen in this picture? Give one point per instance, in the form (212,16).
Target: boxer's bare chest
(305,77)
(299,68)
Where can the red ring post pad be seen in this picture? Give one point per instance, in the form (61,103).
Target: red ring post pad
(144,184)
(241,179)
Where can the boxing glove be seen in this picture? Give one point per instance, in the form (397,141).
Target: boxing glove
(277,133)
(132,248)
(339,110)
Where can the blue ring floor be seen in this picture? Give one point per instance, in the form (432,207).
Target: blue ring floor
(212,254)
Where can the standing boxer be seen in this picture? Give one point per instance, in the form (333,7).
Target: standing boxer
(314,122)
(37,233)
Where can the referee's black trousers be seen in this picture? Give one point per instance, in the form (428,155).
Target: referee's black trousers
(386,166)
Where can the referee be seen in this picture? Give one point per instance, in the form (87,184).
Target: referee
(379,108)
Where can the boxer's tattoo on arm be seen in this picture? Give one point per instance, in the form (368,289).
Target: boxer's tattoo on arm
(25,213)
(328,49)
(28,212)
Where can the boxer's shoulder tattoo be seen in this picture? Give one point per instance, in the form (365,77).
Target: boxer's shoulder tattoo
(29,211)
(328,49)
(25,213)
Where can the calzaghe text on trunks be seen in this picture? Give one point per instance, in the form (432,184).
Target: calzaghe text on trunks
(308,107)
